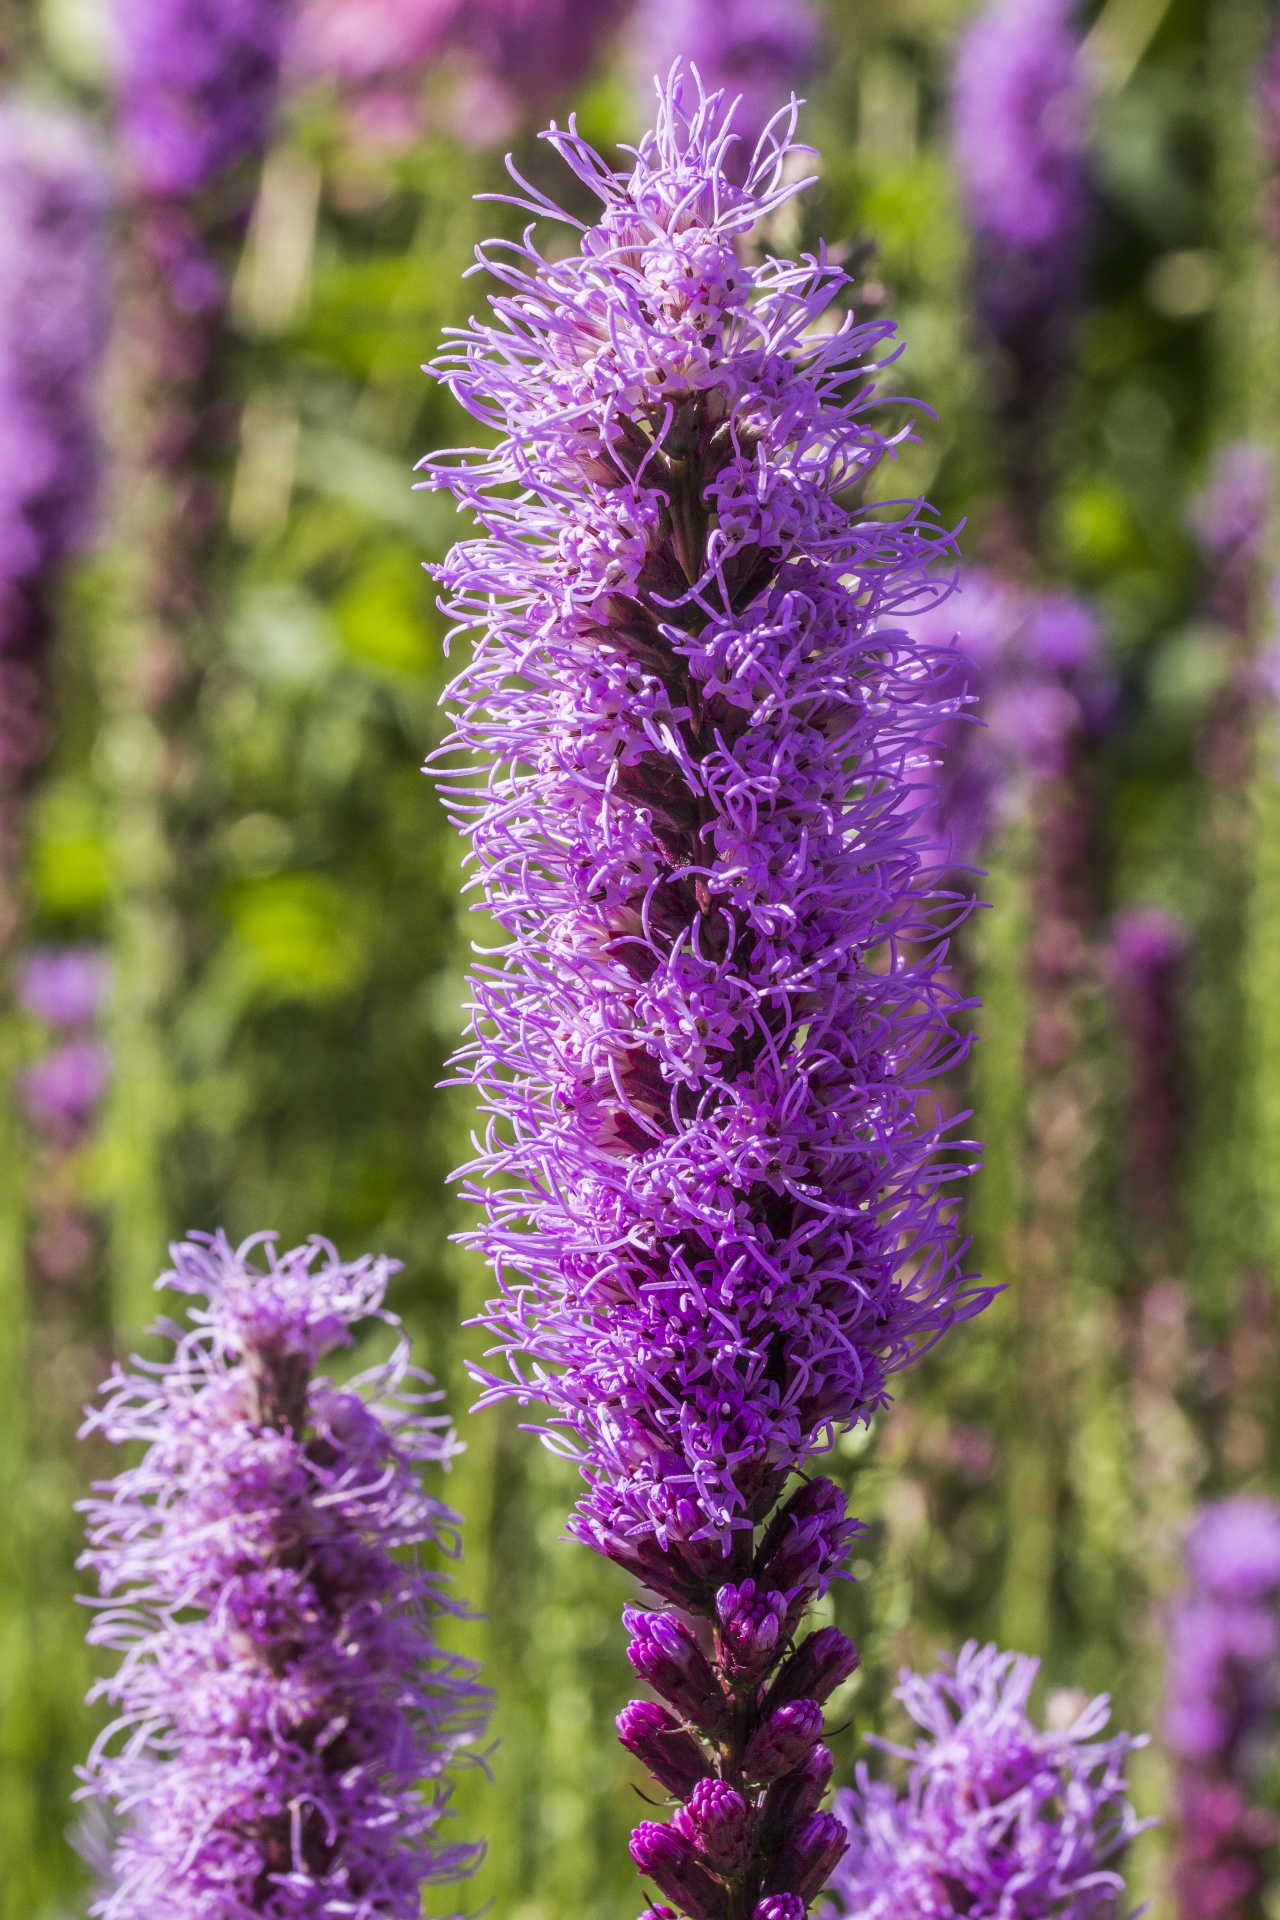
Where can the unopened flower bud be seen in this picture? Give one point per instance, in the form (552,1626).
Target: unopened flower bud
(816,1668)
(783,1740)
(779,1906)
(790,1801)
(672,1756)
(751,1624)
(805,1861)
(718,1822)
(806,1540)
(665,1653)
(666,1857)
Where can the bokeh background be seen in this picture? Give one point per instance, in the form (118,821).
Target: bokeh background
(239,676)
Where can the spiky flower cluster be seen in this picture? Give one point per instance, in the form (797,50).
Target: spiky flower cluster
(715,1200)
(65,987)
(1228,521)
(285,1716)
(1223,1706)
(54,201)
(999,1820)
(757,50)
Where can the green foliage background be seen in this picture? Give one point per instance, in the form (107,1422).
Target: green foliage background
(279,1066)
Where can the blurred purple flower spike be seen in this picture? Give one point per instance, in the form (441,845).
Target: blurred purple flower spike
(691,763)
(1223,1706)
(54,200)
(1020,114)
(1035,683)
(999,1820)
(1228,519)
(286,1719)
(197,87)
(758,50)
(63,1088)
(67,986)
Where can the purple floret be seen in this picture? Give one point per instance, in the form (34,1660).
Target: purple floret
(999,1819)
(285,1716)
(197,86)
(695,740)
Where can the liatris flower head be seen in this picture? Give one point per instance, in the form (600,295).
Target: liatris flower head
(65,985)
(695,733)
(197,87)
(1222,1705)
(999,1818)
(285,1717)
(54,201)
(759,51)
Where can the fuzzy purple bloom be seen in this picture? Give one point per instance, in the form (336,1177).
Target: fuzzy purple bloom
(998,1819)
(54,201)
(1222,1706)
(66,986)
(757,51)
(197,87)
(696,736)
(282,1702)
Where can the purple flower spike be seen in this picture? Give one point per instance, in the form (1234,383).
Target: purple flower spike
(54,201)
(1223,1706)
(998,1818)
(197,85)
(62,1089)
(65,985)
(757,51)
(696,737)
(1019,109)
(285,1717)
(1229,518)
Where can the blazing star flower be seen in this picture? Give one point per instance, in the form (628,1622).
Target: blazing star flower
(718,1213)
(53,322)
(282,1699)
(999,1820)
(1019,116)
(757,50)
(1222,1705)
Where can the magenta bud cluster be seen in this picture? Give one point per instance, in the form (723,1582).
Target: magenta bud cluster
(690,751)
(285,1718)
